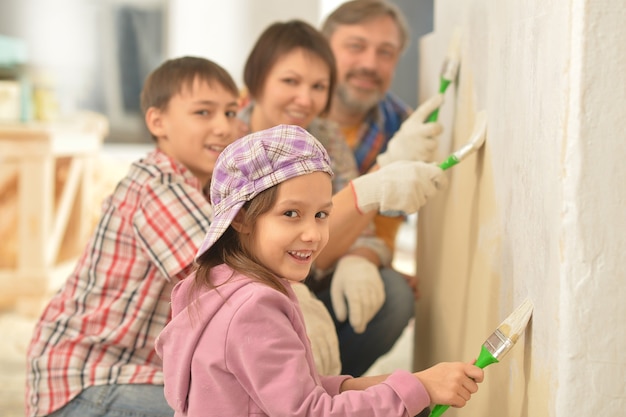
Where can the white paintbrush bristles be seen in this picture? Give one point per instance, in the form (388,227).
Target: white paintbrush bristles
(516,322)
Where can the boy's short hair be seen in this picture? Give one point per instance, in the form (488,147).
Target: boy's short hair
(174,74)
(276,41)
(358,11)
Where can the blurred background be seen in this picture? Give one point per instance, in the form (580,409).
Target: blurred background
(65,58)
(94,54)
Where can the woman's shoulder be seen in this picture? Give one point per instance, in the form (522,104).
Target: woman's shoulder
(322,125)
(326,131)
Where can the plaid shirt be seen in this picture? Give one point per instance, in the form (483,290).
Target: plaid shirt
(99,329)
(374,135)
(379,127)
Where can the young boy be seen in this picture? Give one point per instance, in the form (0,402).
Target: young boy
(92,350)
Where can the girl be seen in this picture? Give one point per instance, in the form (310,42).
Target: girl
(236,344)
(290,77)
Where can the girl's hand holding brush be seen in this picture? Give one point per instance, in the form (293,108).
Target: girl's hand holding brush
(451,383)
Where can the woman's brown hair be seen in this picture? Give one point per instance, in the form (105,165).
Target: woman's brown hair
(278,40)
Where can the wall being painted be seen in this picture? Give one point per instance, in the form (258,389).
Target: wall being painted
(539,212)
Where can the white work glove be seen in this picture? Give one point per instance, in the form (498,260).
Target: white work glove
(402,187)
(356,291)
(321,331)
(415,140)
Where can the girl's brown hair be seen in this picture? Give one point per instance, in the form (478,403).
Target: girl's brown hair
(230,250)
(278,40)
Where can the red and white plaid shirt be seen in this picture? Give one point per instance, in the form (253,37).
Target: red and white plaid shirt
(101,326)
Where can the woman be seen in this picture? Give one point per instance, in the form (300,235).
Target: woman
(289,76)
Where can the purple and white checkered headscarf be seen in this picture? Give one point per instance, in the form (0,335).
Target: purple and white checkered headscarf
(255,163)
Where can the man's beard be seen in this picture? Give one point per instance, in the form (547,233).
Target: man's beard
(357,103)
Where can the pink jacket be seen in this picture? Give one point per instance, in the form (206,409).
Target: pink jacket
(242,350)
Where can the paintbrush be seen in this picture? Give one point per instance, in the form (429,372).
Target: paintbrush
(450,68)
(500,342)
(477,139)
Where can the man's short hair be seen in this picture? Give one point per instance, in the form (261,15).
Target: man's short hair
(358,11)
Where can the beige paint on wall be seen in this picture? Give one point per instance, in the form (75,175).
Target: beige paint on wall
(467,261)
(459,258)
(538,212)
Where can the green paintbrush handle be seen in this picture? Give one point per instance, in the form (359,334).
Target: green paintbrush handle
(438,410)
(433,116)
(485,358)
(443,85)
(450,161)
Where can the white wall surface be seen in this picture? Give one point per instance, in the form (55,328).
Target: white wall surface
(539,212)
(226,31)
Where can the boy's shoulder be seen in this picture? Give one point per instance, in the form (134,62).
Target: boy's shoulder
(155,162)
(157,166)
(149,174)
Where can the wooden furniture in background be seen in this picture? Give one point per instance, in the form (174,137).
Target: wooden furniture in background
(46,185)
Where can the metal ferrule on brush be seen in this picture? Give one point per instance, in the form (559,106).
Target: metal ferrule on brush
(498,344)
(463,151)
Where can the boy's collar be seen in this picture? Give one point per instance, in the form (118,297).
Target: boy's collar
(180,168)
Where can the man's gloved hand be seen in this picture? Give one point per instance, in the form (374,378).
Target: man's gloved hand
(356,291)
(321,331)
(415,140)
(402,187)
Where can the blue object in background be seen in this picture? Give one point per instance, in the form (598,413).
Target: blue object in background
(13,58)
(12,52)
